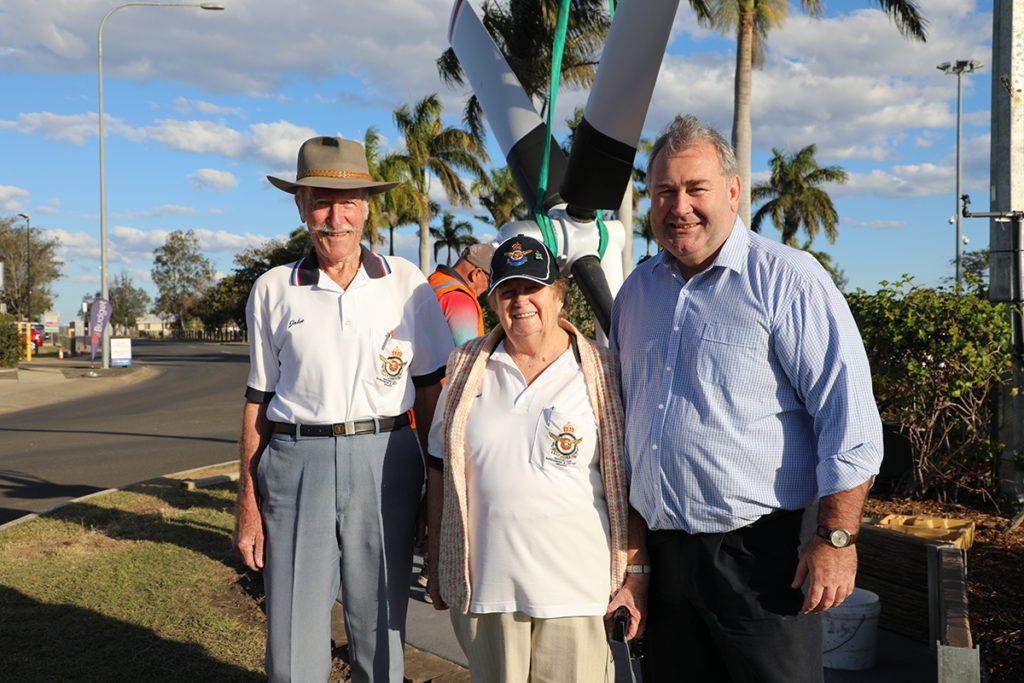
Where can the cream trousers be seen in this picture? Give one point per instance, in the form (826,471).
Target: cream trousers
(513,647)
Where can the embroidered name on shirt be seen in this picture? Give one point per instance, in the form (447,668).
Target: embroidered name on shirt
(391,367)
(295,322)
(564,446)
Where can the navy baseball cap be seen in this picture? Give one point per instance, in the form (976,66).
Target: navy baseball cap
(524,257)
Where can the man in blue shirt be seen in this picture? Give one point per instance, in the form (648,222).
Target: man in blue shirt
(748,400)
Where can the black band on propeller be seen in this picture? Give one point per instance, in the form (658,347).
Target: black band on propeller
(524,162)
(594,285)
(599,168)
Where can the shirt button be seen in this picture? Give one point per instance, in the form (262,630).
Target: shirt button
(676,328)
(654,446)
(668,368)
(661,406)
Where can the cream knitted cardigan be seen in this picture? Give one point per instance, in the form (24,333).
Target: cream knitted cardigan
(464,373)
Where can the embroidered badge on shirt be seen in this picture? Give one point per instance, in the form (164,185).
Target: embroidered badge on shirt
(564,446)
(391,367)
(517,256)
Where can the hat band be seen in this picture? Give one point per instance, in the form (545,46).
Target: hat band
(355,175)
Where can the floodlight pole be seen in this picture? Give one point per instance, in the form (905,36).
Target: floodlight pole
(959,67)
(103,181)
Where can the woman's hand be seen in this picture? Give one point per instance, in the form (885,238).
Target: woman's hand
(632,596)
(434,587)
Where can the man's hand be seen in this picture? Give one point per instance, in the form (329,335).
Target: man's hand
(632,596)
(831,573)
(248,541)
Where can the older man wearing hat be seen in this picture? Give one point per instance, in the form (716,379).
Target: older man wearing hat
(343,343)
(457,288)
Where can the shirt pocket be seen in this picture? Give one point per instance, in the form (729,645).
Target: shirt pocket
(561,440)
(391,358)
(733,356)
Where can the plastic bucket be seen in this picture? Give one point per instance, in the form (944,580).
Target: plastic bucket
(850,632)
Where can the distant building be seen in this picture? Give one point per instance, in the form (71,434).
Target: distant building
(151,325)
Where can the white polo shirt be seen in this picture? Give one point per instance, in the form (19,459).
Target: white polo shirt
(320,354)
(538,521)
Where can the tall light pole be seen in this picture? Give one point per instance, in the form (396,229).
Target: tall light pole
(959,67)
(103,180)
(28,268)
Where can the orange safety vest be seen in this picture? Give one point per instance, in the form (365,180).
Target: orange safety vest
(443,283)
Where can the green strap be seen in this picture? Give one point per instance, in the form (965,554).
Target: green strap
(602,235)
(546,228)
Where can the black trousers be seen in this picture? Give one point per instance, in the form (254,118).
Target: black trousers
(721,607)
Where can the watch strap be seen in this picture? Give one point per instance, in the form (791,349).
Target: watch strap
(826,533)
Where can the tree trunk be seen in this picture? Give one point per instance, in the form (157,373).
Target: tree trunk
(741,128)
(425,245)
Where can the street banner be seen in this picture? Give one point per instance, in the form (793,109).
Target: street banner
(99,316)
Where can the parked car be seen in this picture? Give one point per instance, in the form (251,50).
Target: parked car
(37,337)
(41,329)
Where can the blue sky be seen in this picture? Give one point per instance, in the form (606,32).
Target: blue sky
(200,106)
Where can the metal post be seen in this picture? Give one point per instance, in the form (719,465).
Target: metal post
(959,230)
(28,265)
(959,67)
(103,176)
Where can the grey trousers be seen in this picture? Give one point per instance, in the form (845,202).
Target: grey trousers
(338,512)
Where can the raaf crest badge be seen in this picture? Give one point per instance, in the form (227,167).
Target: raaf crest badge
(564,446)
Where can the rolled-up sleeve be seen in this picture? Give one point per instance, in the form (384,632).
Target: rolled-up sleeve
(821,350)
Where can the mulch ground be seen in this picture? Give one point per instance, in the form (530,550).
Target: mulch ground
(995,581)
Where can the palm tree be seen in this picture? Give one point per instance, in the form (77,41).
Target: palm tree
(642,229)
(794,197)
(751,20)
(399,206)
(524,33)
(452,235)
(838,274)
(372,145)
(433,149)
(498,194)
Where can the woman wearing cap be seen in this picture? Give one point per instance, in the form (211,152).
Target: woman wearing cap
(529,514)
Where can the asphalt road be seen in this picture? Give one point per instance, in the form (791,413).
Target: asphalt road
(186,416)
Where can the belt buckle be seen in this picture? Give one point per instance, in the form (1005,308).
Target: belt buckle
(339,429)
(349,428)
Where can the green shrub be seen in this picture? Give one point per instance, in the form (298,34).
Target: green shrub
(12,348)
(936,356)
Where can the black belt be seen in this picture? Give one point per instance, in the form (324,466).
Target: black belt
(351,428)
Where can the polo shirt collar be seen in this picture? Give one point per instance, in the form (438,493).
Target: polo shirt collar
(448,270)
(307,271)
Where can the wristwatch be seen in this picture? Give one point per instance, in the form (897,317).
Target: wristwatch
(837,538)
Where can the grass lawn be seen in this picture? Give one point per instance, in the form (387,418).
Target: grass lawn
(130,586)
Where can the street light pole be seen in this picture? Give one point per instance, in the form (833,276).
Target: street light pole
(28,268)
(959,67)
(103,180)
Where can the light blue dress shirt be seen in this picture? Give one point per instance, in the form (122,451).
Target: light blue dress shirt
(746,388)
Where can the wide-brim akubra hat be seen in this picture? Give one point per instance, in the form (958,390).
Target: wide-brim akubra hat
(333,164)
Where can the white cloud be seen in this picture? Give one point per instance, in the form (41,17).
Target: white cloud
(213,178)
(202,137)
(11,198)
(878,225)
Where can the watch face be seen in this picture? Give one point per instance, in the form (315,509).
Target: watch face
(840,538)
